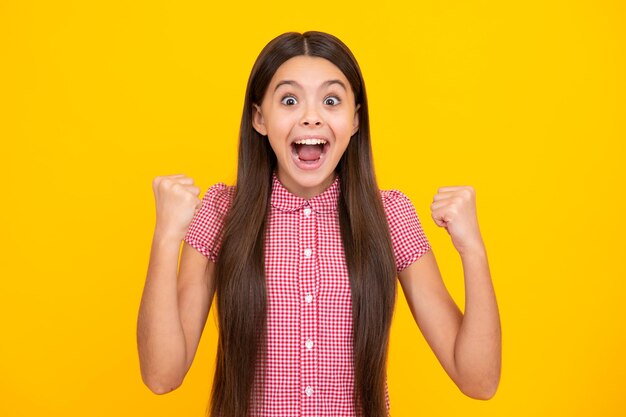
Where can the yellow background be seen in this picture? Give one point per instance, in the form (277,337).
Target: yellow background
(525,101)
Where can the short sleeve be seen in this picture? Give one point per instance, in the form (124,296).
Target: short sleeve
(407,236)
(205,231)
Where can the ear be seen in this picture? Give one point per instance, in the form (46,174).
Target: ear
(257,120)
(355,124)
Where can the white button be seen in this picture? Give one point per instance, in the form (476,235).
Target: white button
(309,391)
(307,211)
(309,344)
(307,253)
(308,298)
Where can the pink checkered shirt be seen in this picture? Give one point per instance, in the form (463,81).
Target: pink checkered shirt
(307,367)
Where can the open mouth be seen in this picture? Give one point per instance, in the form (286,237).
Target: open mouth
(309,151)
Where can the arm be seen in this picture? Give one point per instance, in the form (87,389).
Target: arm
(468,346)
(173,309)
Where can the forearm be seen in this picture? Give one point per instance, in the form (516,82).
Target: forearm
(478,345)
(160,337)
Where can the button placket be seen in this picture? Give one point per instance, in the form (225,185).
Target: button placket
(308,272)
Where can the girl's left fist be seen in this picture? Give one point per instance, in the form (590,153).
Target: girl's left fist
(454,208)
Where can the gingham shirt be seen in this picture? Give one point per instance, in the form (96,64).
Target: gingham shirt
(307,367)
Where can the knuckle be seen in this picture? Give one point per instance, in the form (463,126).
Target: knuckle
(465,194)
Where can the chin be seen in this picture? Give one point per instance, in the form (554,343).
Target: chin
(308,182)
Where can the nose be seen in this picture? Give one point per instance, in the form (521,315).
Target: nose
(311,117)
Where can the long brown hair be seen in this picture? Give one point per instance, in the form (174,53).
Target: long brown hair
(240,271)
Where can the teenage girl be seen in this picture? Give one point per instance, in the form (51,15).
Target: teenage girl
(304,254)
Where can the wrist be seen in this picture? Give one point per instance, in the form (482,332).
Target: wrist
(474,250)
(167,238)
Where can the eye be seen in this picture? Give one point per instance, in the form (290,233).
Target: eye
(332,101)
(289,100)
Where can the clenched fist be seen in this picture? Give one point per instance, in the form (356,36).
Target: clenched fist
(454,208)
(176,203)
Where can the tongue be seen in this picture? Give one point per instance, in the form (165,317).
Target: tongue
(309,152)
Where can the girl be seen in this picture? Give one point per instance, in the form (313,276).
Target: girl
(303,255)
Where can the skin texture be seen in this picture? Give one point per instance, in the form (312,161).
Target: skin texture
(469,345)
(307,106)
(175,307)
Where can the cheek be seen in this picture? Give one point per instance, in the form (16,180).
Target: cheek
(279,127)
(342,125)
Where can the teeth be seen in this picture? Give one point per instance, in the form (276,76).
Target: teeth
(310,142)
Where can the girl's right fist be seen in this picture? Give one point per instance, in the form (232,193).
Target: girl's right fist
(176,201)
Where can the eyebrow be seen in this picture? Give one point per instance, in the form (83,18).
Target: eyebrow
(324,84)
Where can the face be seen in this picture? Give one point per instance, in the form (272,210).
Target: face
(308,115)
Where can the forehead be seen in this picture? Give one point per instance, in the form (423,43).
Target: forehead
(308,70)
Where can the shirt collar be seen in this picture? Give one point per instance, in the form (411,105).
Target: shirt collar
(284,200)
